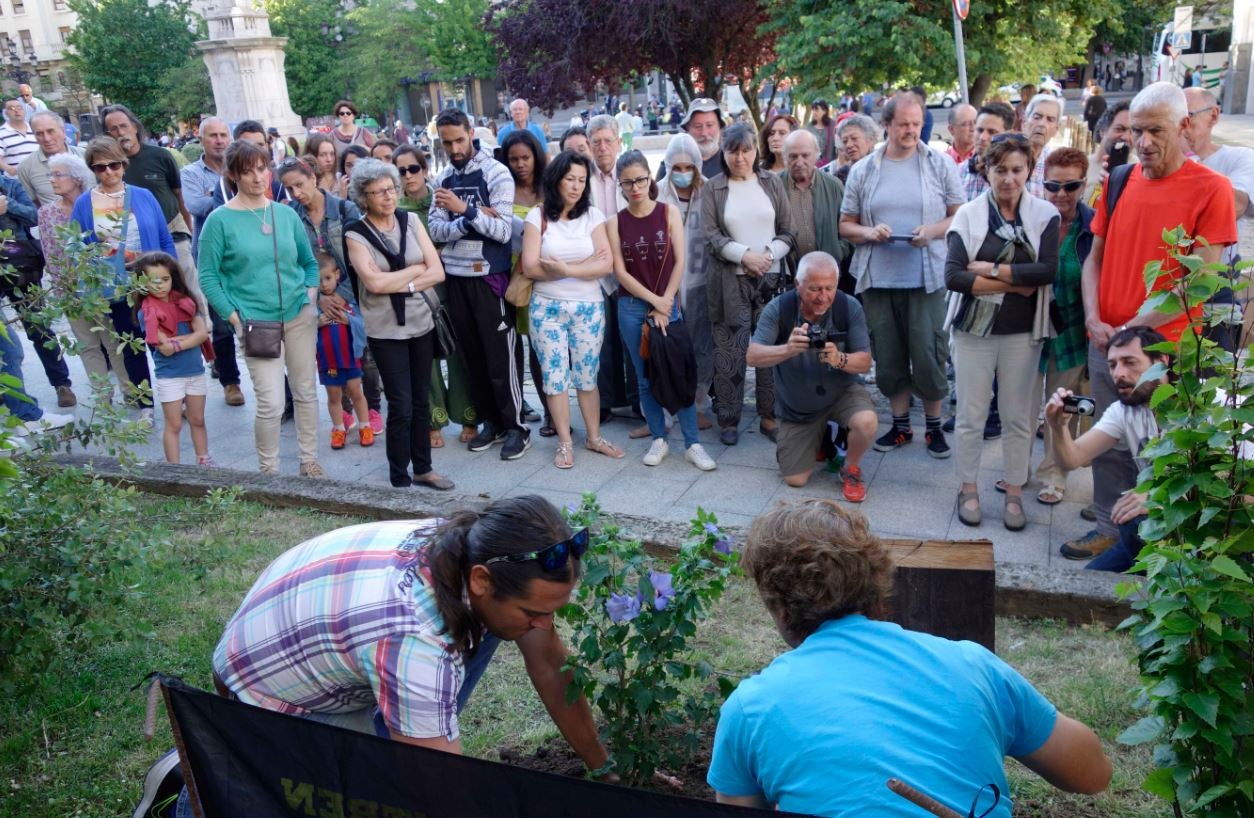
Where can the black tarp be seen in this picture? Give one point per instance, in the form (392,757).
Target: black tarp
(241,760)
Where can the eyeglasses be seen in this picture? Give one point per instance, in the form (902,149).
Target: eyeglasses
(345,113)
(1202,110)
(410,170)
(59,174)
(385,192)
(628,184)
(1009,137)
(554,557)
(1070,187)
(101,167)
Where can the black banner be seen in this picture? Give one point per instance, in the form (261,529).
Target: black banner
(241,760)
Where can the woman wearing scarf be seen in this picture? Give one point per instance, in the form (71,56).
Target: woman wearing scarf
(1003,256)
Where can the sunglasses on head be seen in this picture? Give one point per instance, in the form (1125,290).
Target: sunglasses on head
(408,170)
(1009,137)
(1070,187)
(554,557)
(101,167)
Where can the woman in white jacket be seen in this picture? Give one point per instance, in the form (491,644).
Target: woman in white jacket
(1003,256)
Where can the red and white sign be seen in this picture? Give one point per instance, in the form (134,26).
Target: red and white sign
(963,7)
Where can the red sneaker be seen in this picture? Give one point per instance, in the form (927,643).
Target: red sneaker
(855,489)
(338,438)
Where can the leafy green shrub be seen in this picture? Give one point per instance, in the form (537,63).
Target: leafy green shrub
(632,629)
(1194,620)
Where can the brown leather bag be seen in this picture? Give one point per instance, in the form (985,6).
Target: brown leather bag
(520,287)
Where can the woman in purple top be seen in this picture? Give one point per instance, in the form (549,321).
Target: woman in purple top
(647,239)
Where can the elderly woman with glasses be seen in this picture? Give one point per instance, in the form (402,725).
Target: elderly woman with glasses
(256,264)
(128,220)
(346,131)
(396,266)
(1003,257)
(744,214)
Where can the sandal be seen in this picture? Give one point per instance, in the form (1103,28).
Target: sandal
(434,481)
(1000,485)
(548,429)
(437,439)
(1014,520)
(969,516)
(468,433)
(565,457)
(640,432)
(771,433)
(1050,495)
(603,446)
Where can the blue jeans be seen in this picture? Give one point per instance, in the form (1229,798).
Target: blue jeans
(1121,556)
(632,313)
(20,405)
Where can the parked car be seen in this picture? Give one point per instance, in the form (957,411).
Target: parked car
(1047,85)
(944,99)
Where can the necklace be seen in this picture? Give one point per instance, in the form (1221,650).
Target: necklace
(117,195)
(266,229)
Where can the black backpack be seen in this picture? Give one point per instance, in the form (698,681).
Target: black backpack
(1115,184)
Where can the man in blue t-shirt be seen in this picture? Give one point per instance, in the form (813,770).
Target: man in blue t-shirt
(859,700)
(520,119)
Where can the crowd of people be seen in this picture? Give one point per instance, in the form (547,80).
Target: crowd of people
(828,257)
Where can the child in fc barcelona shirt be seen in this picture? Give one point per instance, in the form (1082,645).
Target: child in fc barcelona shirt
(340,345)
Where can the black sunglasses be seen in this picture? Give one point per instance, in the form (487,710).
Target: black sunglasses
(101,167)
(407,170)
(1009,137)
(553,557)
(1070,187)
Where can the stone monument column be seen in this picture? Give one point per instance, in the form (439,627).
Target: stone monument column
(246,66)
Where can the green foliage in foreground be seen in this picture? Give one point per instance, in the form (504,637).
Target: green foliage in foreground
(1194,621)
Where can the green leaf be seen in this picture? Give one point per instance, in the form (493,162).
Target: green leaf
(1145,730)
(1229,567)
(1160,783)
(1204,705)
(1161,393)
(1217,791)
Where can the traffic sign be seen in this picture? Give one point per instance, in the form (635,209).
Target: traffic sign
(963,8)
(1182,28)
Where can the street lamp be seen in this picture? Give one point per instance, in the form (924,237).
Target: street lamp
(16,71)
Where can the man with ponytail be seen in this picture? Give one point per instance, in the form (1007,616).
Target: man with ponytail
(386,627)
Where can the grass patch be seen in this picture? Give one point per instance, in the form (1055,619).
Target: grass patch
(72,746)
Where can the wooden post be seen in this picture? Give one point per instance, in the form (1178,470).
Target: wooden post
(945,588)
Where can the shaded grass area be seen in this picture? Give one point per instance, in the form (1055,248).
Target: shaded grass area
(72,745)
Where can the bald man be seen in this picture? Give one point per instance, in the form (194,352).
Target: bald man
(814,197)
(520,119)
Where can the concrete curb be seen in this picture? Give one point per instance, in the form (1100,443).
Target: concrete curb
(1023,590)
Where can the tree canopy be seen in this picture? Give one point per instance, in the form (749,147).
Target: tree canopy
(313,64)
(124,50)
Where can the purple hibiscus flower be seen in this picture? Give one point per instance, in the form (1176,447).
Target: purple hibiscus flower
(723,545)
(663,589)
(622,608)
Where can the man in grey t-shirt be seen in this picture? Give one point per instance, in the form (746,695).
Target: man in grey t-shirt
(815,339)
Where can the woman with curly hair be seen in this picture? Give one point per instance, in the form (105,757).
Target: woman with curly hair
(859,700)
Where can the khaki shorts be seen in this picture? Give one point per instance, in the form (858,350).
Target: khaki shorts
(797,442)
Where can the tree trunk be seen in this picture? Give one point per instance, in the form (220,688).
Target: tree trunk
(979,89)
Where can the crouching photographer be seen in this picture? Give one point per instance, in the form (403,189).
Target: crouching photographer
(815,339)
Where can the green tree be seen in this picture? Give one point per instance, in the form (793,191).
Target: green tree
(856,44)
(315,64)
(391,37)
(187,90)
(463,47)
(125,48)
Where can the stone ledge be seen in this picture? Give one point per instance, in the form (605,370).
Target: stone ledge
(1023,590)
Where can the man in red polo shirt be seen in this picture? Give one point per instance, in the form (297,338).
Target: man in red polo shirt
(1163,192)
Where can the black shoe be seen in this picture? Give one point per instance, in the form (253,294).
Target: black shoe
(936,445)
(517,442)
(948,425)
(606,416)
(530,415)
(289,412)
(992,428)
(487,438)
(162,786)
(894,438)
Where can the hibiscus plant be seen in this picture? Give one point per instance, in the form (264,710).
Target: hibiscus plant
(633,619)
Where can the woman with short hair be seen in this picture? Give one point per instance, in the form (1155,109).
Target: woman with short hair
(1003,257)
(449,401)
(566,251)
(396,266)
(744,214)
(858,135)
(127,219)
(771,142)
(346,131)
(256,264)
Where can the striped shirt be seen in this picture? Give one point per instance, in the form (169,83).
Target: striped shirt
(343,622)
(16,145)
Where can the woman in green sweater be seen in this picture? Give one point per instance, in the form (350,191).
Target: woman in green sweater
(256,264)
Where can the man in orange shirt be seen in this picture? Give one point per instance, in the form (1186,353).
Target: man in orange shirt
(1164,191)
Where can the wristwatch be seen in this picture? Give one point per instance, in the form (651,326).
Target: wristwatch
(996,272)
(770,254)
(412,289)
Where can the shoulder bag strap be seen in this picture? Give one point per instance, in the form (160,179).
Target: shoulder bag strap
(274,238)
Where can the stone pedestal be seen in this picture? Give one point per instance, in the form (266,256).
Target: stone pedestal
(246,66)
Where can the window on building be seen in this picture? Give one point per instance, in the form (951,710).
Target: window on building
(65,33)
(58,5)
(19,6)
(28,45)
(45,84)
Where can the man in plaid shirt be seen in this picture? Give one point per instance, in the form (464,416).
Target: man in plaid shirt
(993,118)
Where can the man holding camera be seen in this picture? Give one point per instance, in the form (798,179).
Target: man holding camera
(815,339)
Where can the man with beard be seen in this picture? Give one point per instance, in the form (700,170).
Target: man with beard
(1126,425)
(704,123)
(471,217)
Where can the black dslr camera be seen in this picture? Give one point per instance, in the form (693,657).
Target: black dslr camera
(820,337)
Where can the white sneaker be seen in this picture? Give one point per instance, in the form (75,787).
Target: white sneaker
(145,416)
(657,452)
(697,456)
(48,422)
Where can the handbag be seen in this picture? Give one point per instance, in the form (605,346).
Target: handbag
(26,258)
(520,287)
(264,339)
(445,338)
